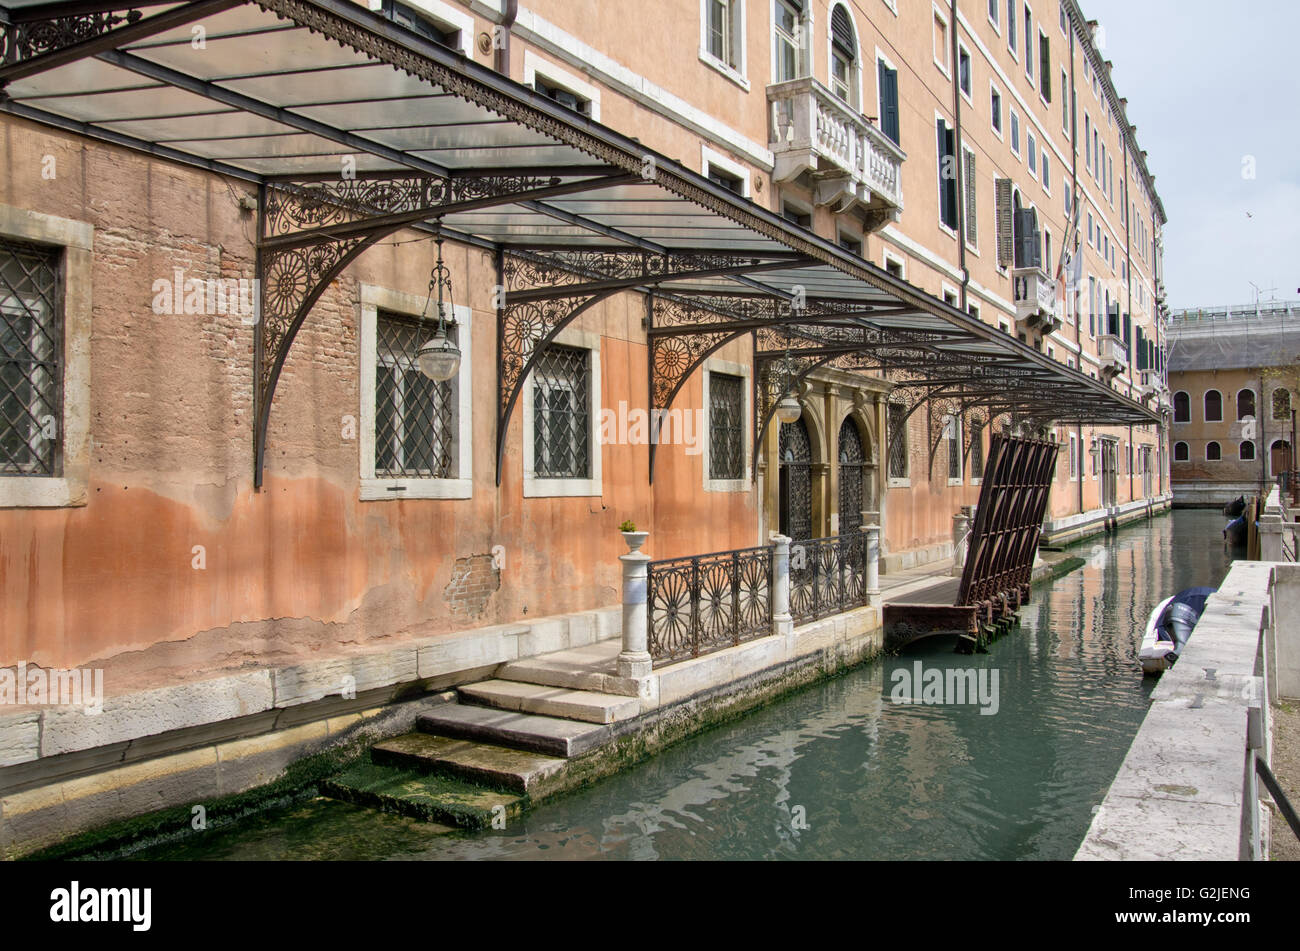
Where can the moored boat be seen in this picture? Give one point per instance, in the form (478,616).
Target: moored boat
(1169,627)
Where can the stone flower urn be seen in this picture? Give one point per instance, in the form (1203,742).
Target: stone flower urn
(634,539)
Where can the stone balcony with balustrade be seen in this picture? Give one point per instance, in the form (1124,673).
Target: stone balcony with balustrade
(850,162)
(1034,294)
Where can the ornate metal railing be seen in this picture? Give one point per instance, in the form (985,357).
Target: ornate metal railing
(707,602)
(827,575)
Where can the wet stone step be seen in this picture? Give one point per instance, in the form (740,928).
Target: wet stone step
(552,701)
(495,766)
(433,798)
(522,731)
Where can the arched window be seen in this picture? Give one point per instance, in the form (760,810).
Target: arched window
(1245,403)
(1246,451)
(844,56)
(1213,406)
(1180,452)
(1182,408)
(1281,404)
(1212,453)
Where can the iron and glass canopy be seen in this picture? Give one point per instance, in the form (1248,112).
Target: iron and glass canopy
(353,128)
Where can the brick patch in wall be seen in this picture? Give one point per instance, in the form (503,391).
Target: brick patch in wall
(473,581)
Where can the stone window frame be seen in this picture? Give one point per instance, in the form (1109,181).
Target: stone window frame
(742,370)
(892,481)
(75,241)
(536,487)
(383,488)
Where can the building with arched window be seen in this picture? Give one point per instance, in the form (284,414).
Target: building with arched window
(1232,403)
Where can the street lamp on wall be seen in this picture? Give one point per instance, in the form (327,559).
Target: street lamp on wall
(788,409)
(439,357)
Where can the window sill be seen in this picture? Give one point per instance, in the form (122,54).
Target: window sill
(952,482)
(535,488)
(900,483)
(382,490)
(730,72)
(726,485)
(41,492)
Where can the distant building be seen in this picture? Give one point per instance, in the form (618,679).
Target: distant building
(1234,373)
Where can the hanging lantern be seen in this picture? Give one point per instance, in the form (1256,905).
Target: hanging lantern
(788,409)
(439,358)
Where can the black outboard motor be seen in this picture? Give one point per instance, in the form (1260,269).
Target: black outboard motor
(1180,617)
(1235,508)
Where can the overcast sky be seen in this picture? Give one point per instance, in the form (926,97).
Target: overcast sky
(1210,85)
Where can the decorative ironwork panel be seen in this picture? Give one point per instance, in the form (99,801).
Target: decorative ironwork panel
(672,360)
(562,414)
(898,448)
(827,575)
(726,426)
(795,451)
(852,477)
(976,430)
(707,602)
(23,41)
(415,417)
(295,207)
(31,360)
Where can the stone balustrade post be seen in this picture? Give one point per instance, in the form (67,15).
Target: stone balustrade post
(960,535)
(873,564)
(634,661)
(782,621)
(1270,537)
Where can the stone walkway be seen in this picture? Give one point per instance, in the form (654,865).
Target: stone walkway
(1286,767)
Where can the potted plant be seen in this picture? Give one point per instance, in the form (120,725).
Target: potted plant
(633,538)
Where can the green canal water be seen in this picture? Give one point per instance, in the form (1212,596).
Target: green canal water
(838,770)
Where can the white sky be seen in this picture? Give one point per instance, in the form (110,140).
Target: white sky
(1210,84)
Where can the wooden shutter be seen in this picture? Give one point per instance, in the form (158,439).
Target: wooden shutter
(1045,66)
(888,101)
(1002,199)
(968,181)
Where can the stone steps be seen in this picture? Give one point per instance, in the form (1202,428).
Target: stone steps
(550,736)
(433,798)
(589,668)
(497,767)
(520,697)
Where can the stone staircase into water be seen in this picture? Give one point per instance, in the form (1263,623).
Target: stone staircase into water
(502,743)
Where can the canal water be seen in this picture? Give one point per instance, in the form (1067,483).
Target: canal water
(842,771)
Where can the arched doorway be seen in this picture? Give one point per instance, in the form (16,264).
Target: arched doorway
(1279,457)
(795,451)
(853,477)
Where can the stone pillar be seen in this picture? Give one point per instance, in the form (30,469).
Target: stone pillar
(782,621)
(960,533)
(873,564)
(1270,537)
(634,660)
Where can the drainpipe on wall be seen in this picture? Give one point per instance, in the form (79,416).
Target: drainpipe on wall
(957,157)
(1074,192)
(501,58)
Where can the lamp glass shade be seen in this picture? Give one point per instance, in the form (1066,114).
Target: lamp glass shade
(439,358)
(788,410)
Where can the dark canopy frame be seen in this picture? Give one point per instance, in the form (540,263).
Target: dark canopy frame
(353,127)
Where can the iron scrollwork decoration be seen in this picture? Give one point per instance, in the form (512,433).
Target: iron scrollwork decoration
(827,575)
(24,41)
(706,603)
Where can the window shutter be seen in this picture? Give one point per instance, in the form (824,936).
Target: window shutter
(972,229)
(842,33)
(1045,66)
(1002,197)
(888,101)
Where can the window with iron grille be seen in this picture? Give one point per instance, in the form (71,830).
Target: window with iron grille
(416,418)
(953,426)
(562,414)
(726,426)
(31,360)
(897,441)
(977,451)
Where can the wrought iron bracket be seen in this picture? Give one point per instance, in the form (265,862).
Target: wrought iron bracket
(308,232)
